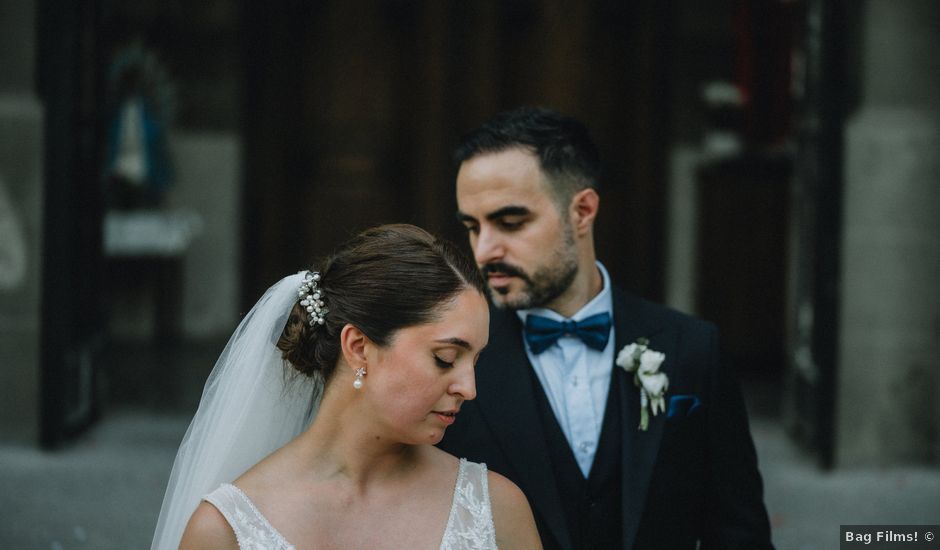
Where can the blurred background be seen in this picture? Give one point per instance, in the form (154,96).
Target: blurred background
(771,165)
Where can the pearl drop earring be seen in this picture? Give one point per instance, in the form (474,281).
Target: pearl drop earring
(360,372)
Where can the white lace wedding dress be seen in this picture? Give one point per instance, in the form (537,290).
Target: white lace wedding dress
(469,526)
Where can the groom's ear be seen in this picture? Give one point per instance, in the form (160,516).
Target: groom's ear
(583,210)
(355,346)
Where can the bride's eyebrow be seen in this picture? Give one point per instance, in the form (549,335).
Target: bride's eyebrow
(457,342)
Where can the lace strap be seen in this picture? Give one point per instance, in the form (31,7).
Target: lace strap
(470,525)
(252,529)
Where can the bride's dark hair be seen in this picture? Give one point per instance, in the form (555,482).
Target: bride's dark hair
(382,280)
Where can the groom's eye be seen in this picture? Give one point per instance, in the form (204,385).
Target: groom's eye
(511,224)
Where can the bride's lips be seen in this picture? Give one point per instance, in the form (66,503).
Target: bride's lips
(447,417)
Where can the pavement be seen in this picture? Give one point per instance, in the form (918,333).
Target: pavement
(807,505)
(104,491)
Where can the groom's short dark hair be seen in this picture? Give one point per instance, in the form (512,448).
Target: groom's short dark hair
(562,145)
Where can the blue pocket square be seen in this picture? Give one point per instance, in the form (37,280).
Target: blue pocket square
(682,405)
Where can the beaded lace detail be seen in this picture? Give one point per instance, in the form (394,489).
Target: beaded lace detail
(252,530)
(469,526)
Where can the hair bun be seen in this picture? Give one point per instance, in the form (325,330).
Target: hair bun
(296,342)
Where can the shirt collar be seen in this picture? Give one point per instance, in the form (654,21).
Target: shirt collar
(598,304)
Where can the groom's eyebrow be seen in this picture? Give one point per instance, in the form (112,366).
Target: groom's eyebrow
(457,342)
(511,210)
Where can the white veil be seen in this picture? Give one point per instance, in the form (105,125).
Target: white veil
(251,405)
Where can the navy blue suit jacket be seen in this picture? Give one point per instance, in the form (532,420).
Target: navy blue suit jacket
(692,476)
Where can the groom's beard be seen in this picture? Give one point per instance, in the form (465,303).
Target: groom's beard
(547,283)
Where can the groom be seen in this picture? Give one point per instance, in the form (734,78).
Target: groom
(554,411)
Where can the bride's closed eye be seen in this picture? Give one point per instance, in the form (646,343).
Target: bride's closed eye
(445,358)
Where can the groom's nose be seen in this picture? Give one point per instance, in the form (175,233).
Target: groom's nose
(488,246)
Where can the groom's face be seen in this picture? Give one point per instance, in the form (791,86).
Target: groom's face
(522,241)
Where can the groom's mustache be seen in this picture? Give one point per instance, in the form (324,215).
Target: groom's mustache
(505,269)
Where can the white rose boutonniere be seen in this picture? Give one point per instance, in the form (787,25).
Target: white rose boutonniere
(644,364)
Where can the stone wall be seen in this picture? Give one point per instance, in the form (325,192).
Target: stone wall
(21,197)
(889,367)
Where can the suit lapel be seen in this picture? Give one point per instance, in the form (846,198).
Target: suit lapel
(507,403)
(638,454)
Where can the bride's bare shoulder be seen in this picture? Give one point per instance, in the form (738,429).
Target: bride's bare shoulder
(273,474)
(439,458)
(208,528)
(512,516)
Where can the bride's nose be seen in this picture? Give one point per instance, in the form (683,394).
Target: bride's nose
(465,385)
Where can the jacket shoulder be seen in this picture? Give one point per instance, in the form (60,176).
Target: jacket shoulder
(660,314)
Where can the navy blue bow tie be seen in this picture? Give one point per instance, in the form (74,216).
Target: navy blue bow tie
(542,332)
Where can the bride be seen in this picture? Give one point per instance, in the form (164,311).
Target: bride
(380,349)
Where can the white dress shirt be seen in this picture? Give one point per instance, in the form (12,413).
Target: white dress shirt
(576,378)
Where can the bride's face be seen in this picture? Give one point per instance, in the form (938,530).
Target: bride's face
(419,381)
